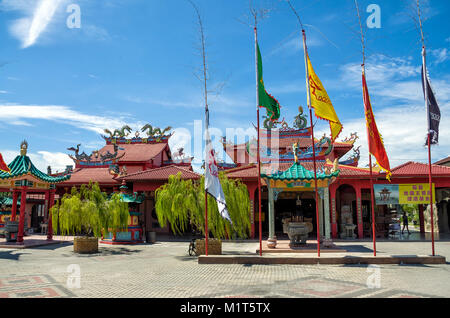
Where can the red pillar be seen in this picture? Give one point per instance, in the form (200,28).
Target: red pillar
(50,205)
(14,206)
(359,212)
(421,219)
(23,203)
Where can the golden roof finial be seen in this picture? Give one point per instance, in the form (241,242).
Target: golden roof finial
(23,148)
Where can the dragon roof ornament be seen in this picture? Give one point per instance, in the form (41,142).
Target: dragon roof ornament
(121,136)
(96,158)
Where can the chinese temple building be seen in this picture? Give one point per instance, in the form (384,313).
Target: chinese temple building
(345,199)
(141,164)
(137,166)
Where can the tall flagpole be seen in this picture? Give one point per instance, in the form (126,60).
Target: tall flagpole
(258,127)
(312,138)
(372,194)
(205,93)
(425,85)
(308,92)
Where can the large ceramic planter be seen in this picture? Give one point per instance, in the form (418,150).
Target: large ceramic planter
(214,247)
(85,245)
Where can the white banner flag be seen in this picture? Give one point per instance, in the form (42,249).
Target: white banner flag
(212,182)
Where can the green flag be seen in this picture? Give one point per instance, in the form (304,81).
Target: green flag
(265,99)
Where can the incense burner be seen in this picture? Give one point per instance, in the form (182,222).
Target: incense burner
(298,232)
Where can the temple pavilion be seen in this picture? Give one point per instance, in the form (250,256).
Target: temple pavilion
(25,180)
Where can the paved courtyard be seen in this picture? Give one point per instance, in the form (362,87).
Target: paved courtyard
(166,270)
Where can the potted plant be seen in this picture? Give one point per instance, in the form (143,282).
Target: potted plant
(182,202)
(89,213)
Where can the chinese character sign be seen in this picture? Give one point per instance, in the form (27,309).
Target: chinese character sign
(403,193)
(416,193)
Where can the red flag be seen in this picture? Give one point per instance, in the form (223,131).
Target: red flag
(376,145)
(3,166)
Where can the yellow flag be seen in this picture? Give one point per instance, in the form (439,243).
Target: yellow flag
(321,102)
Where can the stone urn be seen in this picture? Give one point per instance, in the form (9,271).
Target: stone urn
(12,226)
(298,233)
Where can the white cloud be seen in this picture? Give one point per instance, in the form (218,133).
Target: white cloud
(38,17)
(440,55)
(18,114)
(294,43)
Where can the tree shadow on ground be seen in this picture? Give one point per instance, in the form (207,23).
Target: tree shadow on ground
(107,251)
(186,258)
(10,256)
(356,249)
(52,247)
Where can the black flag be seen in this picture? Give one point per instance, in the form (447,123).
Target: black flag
(433,112)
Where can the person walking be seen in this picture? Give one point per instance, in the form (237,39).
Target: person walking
(405,222)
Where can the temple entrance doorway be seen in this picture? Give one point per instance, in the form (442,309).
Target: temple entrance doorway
(346,212)
(295,204)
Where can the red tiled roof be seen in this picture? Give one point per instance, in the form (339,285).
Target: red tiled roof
(245,172)
(250,171)
(420,169)
(162,173)
(136,152)
(442,161)
(84,175)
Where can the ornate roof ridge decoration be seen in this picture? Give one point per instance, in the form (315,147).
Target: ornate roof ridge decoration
(22,166)
(299,173)
(179,157)
(95,159)
(353,160)
(154,135)
(375,168)
(352,139)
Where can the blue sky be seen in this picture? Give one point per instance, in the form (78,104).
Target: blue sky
(133,62)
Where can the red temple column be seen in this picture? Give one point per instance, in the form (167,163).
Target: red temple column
(14,206)
(421,219)
(23,203)
(359,212)
(50,205)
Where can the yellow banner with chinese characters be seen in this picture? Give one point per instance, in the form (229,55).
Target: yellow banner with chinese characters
(416,193)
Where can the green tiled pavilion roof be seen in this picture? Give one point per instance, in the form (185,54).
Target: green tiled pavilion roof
(297,172)
(8,201)
(22,165)
(132,198)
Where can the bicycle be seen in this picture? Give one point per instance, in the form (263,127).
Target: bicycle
(192,249)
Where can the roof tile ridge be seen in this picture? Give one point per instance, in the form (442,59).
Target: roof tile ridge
(250,165)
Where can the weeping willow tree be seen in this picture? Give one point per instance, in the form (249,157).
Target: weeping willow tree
(182,202)
(90,211)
